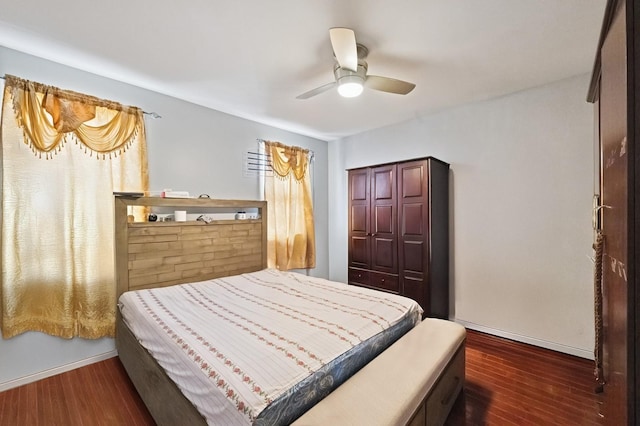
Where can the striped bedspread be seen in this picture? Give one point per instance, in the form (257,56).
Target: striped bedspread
(262,348)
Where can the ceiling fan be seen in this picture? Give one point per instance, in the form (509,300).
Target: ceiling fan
(350,70)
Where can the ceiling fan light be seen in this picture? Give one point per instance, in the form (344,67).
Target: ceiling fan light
(350,86)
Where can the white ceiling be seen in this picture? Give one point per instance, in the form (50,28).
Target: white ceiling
(251,58)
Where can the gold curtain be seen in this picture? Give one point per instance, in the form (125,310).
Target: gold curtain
(57,207)
(290,228)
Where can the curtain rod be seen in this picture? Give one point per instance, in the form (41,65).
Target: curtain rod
(312,154)
(152,114)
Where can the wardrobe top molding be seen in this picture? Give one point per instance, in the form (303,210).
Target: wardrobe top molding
(401,161)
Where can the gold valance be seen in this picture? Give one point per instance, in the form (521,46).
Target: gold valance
(286,159)
(48,115)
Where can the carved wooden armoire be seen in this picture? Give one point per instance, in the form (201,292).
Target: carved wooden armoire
(399,231)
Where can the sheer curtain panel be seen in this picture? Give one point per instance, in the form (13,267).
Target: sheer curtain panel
(291,234)
(63,156)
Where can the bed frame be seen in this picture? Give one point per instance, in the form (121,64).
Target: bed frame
(159,254)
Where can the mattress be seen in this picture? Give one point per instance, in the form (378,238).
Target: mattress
(264,347)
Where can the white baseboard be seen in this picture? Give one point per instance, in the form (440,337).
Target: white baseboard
(579,352)
(56,370)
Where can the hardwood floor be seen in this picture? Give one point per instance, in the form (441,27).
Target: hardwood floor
(511,383)
(507,383)
(98,394)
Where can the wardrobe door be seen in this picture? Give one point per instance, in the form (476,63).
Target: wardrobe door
(359,225)
(413,209)
(383,233)
(614,191)
(615,85)
(423,209)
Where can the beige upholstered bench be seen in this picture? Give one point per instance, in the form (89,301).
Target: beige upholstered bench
(414,382)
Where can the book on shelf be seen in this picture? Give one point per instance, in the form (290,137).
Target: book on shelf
(133,194)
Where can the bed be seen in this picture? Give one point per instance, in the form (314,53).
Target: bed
(407,371)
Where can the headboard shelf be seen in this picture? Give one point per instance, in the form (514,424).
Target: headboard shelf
(156,254)
(193,223)
(190,202)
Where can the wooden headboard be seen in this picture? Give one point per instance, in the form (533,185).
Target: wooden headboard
(159,254)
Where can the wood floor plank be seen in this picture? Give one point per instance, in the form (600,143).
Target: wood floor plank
(507,383)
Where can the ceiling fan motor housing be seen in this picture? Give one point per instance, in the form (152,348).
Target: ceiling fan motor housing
(344,75)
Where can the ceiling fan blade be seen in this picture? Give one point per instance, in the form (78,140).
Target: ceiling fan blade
(343,41)
(317,90)
(390,85)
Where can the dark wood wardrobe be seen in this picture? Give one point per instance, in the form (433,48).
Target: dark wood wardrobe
(399,231)
(615,92)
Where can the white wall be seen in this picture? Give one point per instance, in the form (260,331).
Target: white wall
(190,148)
(521,183)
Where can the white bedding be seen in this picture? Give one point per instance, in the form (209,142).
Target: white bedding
(246,339)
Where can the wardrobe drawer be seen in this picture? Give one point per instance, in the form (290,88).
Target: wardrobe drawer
(359,276)
(384,281)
